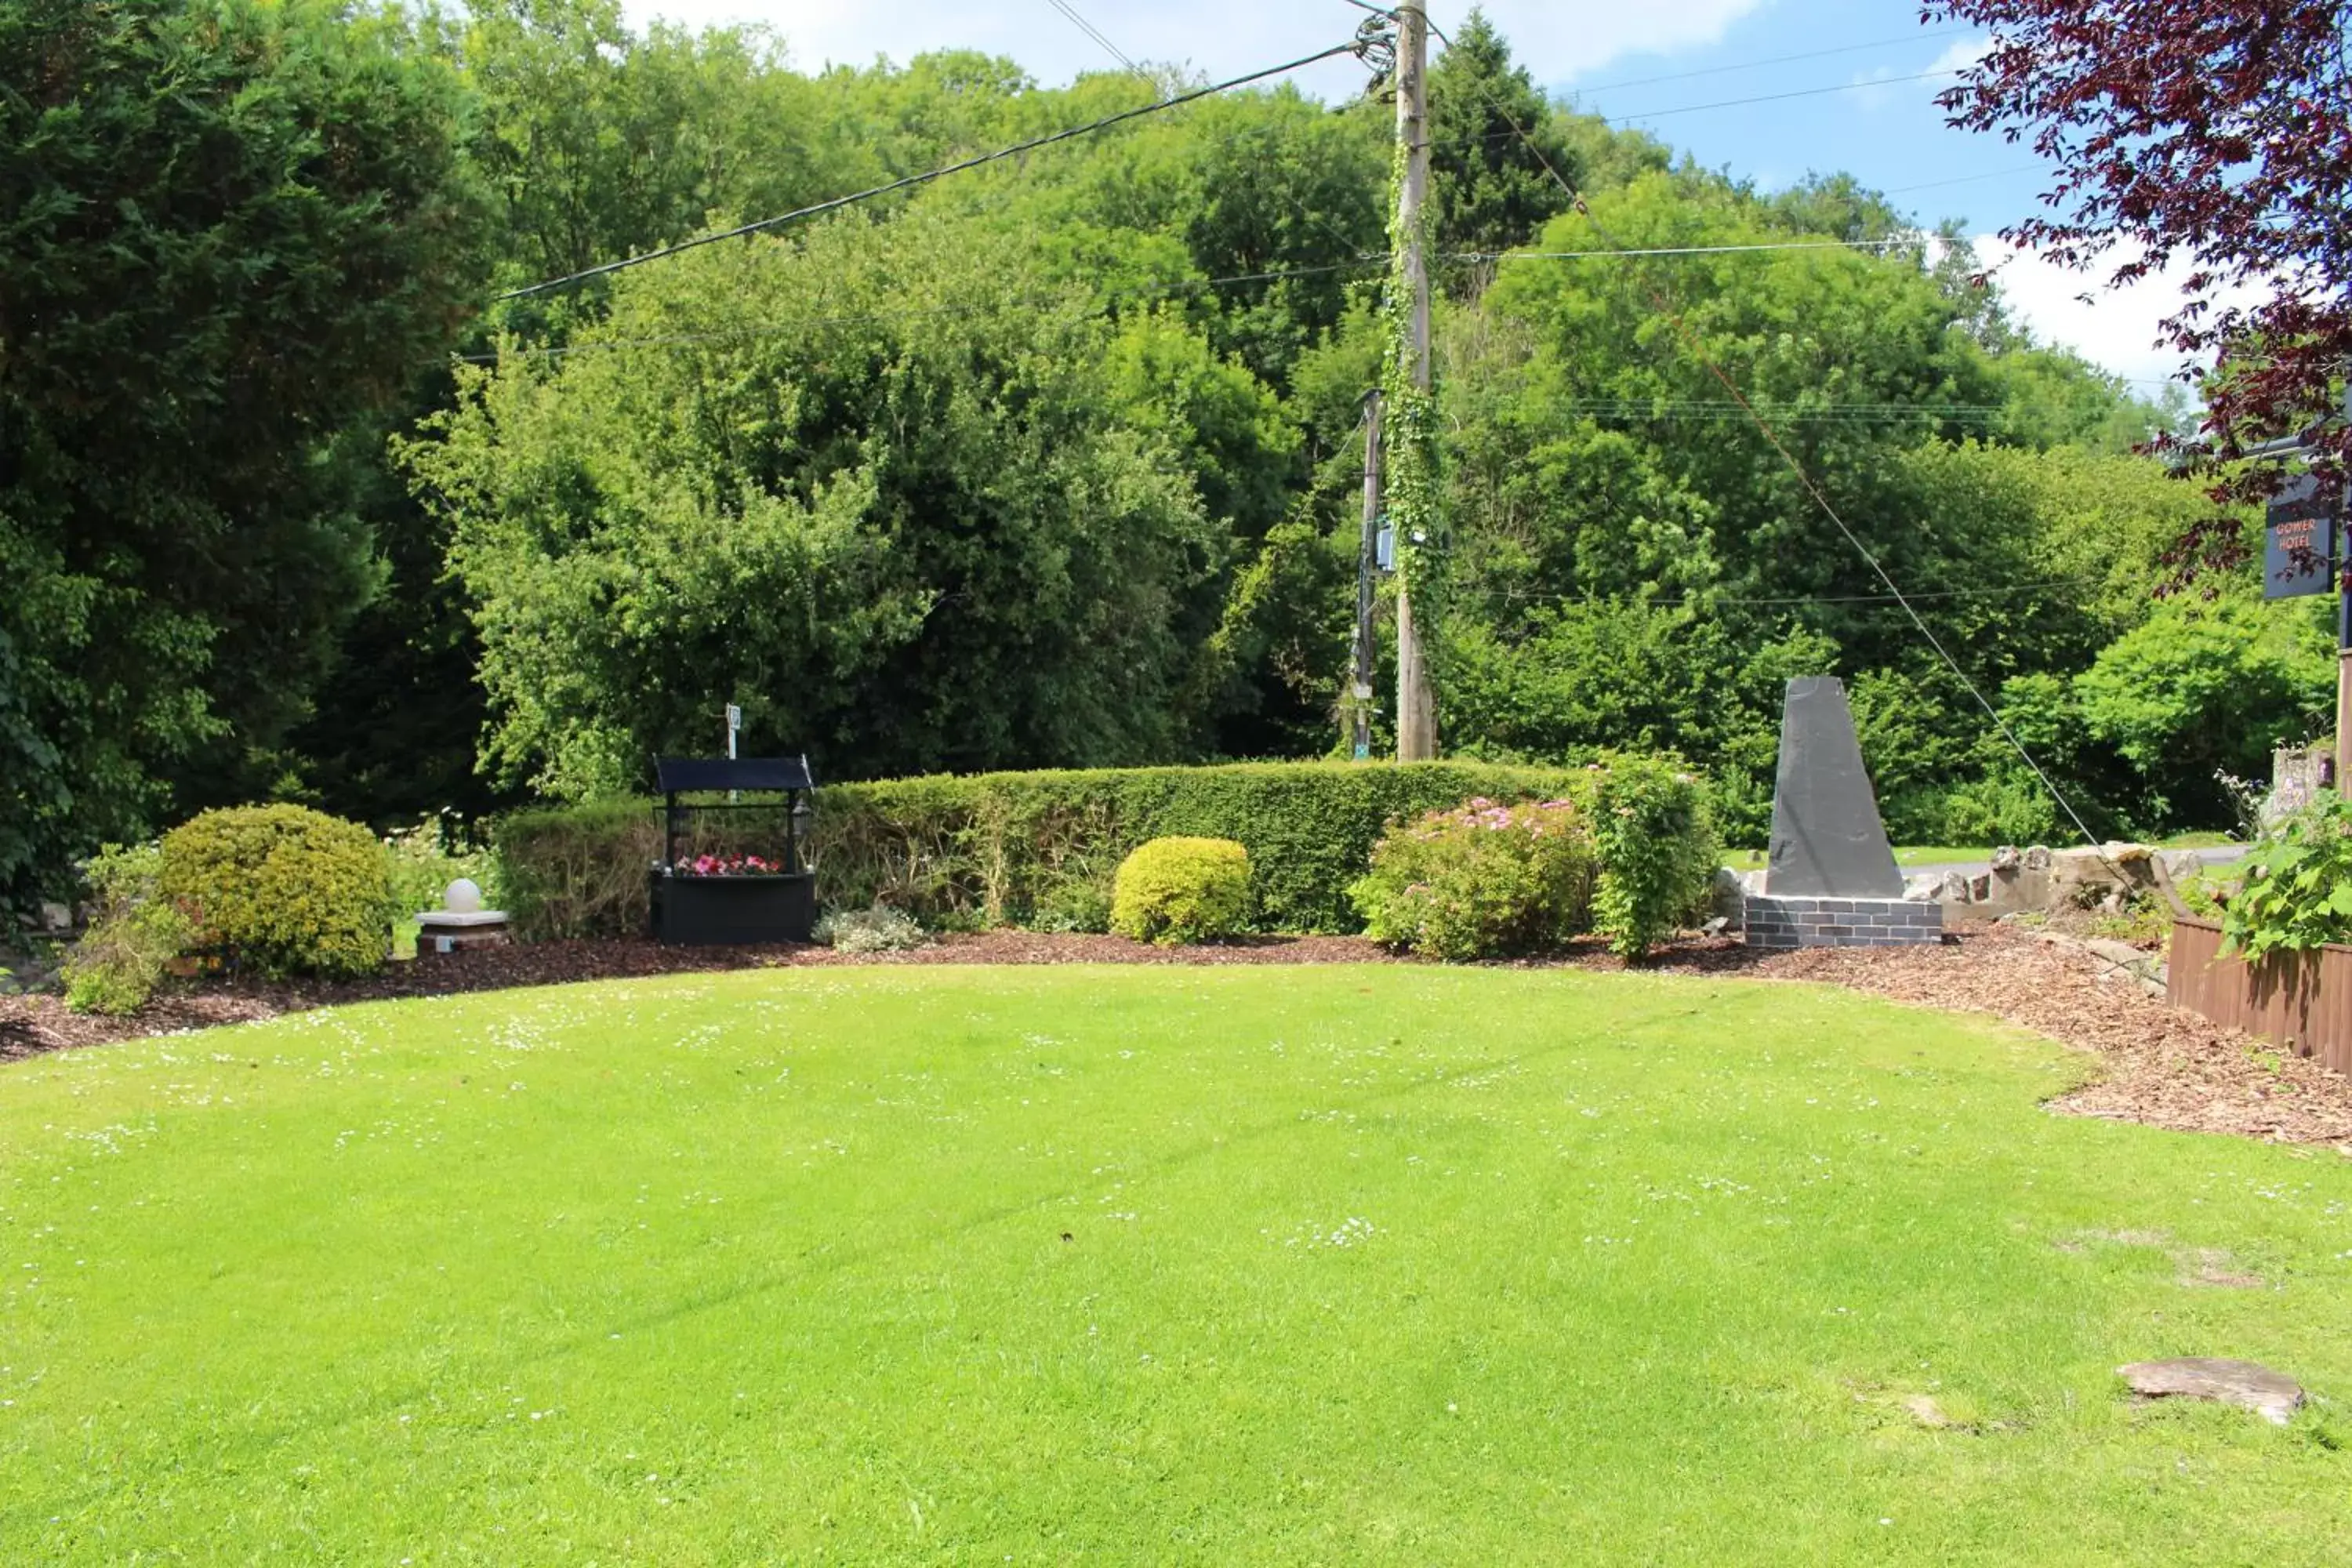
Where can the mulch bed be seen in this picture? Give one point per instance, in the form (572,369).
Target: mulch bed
(2162,1067)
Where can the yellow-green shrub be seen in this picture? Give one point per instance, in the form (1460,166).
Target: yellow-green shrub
(1181,890)
(282,890)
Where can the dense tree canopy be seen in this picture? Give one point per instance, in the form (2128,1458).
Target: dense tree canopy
(1057,461)
(229,236)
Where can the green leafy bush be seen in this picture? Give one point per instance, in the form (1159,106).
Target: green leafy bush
(1175,891)
(578,871)
(423,868)
(878,929)
(1032,849)
(2297,889)
(1482,881)
(282,890)
(136,933)
(1655,847)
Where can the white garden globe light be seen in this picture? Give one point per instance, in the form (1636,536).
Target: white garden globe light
(462,898)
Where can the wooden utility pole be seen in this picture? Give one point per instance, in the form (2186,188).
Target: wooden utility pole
(1359,690)
(1416,704)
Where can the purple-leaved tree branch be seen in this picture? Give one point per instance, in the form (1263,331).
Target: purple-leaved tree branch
(2215,133)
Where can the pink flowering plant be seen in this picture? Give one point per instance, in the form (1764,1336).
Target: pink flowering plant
(1629,855)
(1483,880)
(731,866)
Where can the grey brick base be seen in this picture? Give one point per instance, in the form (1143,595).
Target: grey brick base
(1842,922)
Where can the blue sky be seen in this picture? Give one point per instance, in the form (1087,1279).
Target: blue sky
(1601,54)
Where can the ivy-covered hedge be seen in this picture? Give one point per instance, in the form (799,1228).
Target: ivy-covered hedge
(1032,849)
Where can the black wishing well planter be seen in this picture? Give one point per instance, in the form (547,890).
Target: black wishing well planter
(734,865)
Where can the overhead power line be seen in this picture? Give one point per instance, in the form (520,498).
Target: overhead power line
(1989,591)
(1963,179)
(1770,61)
(1779,97)
(912,181)
(1090,29)
(1687,249)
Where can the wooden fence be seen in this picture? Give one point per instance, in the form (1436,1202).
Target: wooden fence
(2302,1000)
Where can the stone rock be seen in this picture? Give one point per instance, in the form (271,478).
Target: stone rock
(56,919)
(1727,896)
(1937,888)
(2120,954)
(2248,1384)
(2006,858)
(1828,840)
(1716,926)
(1925,1411)
(2037,857)
(2110,876)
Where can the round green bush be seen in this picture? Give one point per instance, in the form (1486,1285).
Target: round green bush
(282,890)
(1175,891)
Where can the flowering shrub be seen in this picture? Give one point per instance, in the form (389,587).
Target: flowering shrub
(1181,890)
(731,866)
(1483,880)
(1627,852)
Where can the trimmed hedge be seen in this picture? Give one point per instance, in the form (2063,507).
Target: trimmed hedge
(1026,848)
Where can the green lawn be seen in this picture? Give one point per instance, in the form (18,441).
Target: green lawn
(1346,1264)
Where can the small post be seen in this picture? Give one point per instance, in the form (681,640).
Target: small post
(2344,620)
(734,723)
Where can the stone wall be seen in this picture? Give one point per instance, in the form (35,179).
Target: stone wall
(1782,924)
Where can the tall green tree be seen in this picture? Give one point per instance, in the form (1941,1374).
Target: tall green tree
(1493,145)
(880,486)
(229,234)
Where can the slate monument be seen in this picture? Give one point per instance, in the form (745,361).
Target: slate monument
(1832,880)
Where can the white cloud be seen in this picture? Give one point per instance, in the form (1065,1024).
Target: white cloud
(1880,85)
(1962,55)
(1556,39)
(2117,328)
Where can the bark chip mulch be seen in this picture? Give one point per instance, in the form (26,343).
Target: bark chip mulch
(2158,1065)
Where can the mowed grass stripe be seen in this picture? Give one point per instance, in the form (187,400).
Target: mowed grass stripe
(1364,1264)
